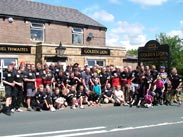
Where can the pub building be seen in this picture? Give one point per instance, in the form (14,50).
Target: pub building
(36,32)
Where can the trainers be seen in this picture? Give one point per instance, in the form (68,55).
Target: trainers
(65,104)
(52,109)
(19,110)
(12,110)
(81,107)
(73,107)
(180,102)
(29,109)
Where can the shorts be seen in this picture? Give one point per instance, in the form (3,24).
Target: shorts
(8,91)
(30,92)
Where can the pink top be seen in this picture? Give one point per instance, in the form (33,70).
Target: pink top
(159,84)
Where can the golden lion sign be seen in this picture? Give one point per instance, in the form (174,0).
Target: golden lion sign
(94,51)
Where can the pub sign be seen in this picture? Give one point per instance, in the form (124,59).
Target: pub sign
(95,51)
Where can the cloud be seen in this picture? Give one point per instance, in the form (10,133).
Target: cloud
(98,14)
(115,1)
(127,35)
(175,33)
(103,16)
(181,25)
(91,9)
(149,2)
(178,33)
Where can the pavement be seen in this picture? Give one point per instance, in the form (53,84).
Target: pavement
(98,121)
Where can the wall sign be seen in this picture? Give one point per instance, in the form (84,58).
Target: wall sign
(153,51)
(14,49)
(94,51)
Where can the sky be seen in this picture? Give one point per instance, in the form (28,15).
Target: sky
(131,23)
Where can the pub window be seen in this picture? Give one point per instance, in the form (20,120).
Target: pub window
(93,62)
(77,36)
(37,31)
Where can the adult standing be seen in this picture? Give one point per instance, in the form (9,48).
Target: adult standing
(8,81)
(176,85)
(30,85)
(18,89)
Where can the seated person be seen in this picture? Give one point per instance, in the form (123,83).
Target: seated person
(80,95)
(71,97)
(48,99)
(58,101)
(119,97)
(38,100)
(108,94)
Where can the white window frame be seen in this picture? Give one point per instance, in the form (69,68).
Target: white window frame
(79,33)
(95,61)
(40,27)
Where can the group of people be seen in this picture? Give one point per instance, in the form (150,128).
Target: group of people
(51,87)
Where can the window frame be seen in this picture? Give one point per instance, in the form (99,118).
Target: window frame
(79,34)
(39,28)
(95,61)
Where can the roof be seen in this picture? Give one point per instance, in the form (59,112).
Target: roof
(36,10)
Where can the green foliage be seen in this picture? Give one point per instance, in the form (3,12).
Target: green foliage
(176,50)
(132,52)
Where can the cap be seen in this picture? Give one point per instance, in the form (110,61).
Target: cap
(162,67)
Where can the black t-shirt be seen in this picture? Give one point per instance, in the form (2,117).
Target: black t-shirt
(135,75)
(30,75)
(103,78)
(39,96)
(175,81)
(108,92)
(39,74)
(48,97)
(124,75)
(71,93)
(8,76)
(80,93)
(55,97)
(19,77)
(154,74)
(115,74)
(60,79)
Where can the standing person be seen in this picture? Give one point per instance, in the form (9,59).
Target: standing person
(86,80)
(8,81)
(48,77)
(18,89)
(154,72)
(30,85)
(125,83)
(135,81)
(164,76)
(39,75)
(176,85)
(115,78)
(104,78)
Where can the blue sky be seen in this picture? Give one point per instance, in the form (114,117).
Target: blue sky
(131,23)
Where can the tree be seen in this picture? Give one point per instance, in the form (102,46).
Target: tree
(176,50)
(132,52)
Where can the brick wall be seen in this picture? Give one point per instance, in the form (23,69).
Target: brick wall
(16,32)
(19,32)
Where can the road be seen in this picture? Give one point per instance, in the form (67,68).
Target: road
(160,121)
